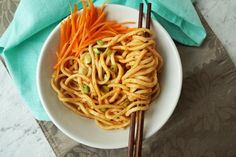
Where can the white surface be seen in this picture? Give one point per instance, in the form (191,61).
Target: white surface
(221,16)
(20,135)
(14,143)
(161,109)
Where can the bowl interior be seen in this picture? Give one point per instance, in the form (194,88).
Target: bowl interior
(84,130)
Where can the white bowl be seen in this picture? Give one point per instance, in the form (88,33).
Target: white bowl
(84,130)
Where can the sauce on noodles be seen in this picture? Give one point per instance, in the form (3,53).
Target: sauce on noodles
(109,78)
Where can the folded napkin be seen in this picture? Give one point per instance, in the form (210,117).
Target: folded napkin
(33,21)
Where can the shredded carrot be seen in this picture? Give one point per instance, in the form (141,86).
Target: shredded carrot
(80,30)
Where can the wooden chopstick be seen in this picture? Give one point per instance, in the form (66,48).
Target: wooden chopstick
(140,115)
(139,135)
(131,144)
(149,10)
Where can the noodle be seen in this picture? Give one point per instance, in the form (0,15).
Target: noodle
(109,81)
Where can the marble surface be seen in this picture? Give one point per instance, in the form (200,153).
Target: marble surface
(20,135)
(221,16)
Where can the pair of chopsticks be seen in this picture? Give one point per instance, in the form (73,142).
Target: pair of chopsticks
(135,146)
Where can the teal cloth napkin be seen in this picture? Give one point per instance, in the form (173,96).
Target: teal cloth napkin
(33,21)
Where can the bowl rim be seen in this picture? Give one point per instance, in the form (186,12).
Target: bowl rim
(99,145)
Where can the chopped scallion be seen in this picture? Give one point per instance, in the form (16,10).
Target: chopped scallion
(105,89)
(113,68)
(96,51)
(85,89)
(100,42)
(87,58)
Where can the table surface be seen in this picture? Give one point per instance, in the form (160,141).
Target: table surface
(21,135)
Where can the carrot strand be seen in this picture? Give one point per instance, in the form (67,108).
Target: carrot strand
(82,29)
